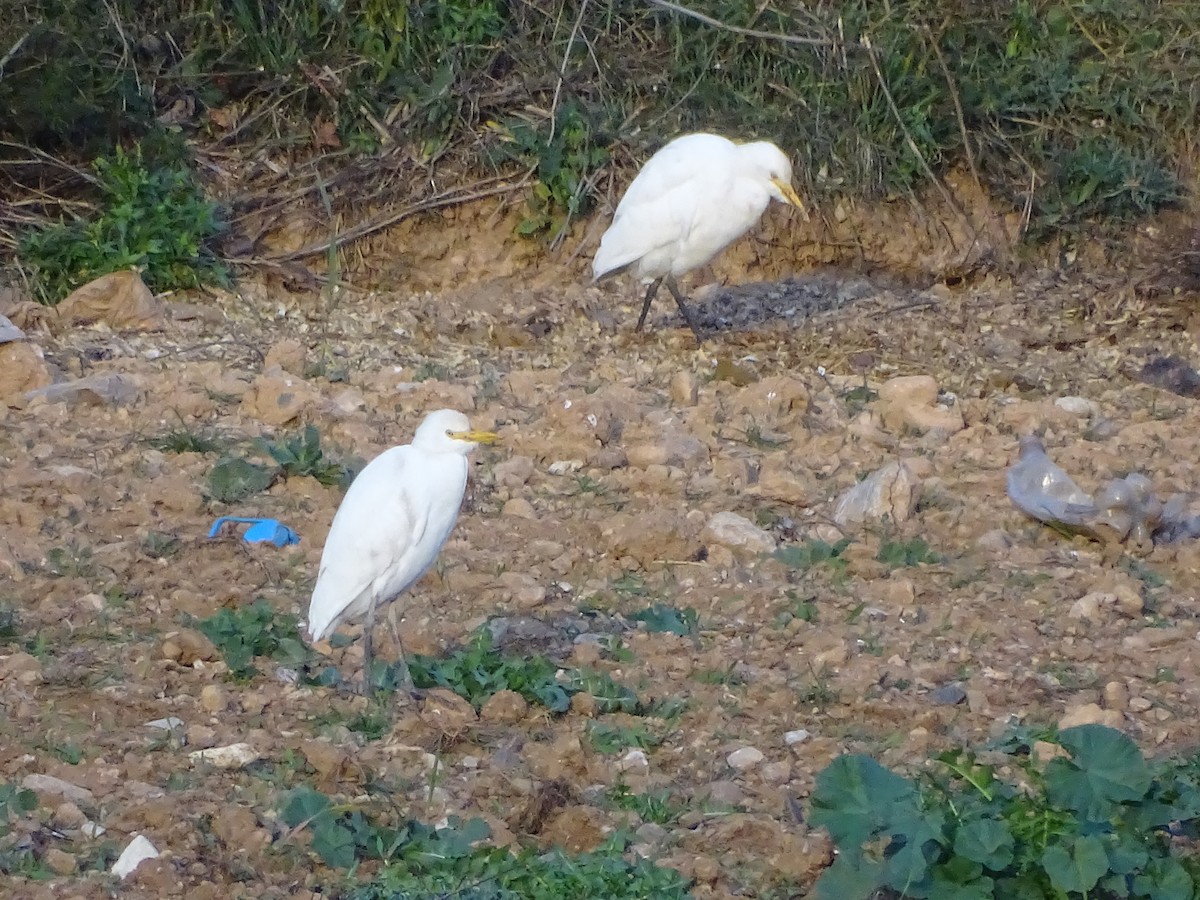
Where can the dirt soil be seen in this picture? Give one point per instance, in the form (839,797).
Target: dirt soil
(617,450)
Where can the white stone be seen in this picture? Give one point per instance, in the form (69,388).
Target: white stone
(745,758)
(137,852)
(231,756)
(799,736)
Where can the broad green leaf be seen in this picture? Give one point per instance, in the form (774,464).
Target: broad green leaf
(303,805)
(849,880)
(986,842)
(1165,879)
(663,618)
(855,799)
(1076,866)
(1106,768)
(334,843)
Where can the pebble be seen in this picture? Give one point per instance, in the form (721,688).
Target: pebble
(798,736)
(212,698)
(1116,696)
(135,853)
(231,756)
(49,784)
(745,758)
(732,530)
(1078,406)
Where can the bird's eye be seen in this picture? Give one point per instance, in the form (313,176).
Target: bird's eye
(449,433)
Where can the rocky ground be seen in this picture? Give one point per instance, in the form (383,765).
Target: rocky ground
(633,470)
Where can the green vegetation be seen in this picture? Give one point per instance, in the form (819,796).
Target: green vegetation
(476,672)
(660,617)
(815,554)
(420,861)
(1072,115)
(233,478)
(253,631)
(14,803)
(902,554)
(301,455)
(1095,824)
(151,217)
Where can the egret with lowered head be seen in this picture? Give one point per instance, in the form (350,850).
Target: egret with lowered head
(391,526)
(690,201)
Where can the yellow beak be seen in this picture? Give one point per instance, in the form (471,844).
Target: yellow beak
(791,196)
(476,437)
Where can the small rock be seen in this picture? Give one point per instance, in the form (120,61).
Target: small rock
(111,389)
(1140,705)
(9,331)
(68,815)
(1092,607)
(722,793)
(891,492)
(170,723)
(565,466)
(995,541)
(1116,696)
(949,694)
(513,472)
(276,398)
(910,401)
(651,833)
(48,784)
(23,368)
(137,852)
(231,756)
(634,760)
(737,532)
(745,758)
(59,861)
(777,772)
(798,736)
(504,708)
(288,355)
(1078,406)
(447,713)
(685,389)
(519,508)
(21,667)
(212,698)
(1044,751)
(187,646)
(120,299)
(1091,714)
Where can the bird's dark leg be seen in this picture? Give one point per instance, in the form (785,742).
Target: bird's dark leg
(683,310)
(406,681)
(650,292)
(368,629)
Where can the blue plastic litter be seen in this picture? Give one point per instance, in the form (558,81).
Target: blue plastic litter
(260,531)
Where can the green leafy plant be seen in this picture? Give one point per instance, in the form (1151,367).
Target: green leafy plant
(476,672)
(609,738)
(652,806)
(153,218)
(564,156)
(231,480)
(454,861)
(1094,823)
(661,617)
(14,803)
(301,455)
(901,554)
(253,631)
(813,554)
(183,440)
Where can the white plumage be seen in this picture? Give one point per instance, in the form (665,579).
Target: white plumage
(691,200)
(391,525)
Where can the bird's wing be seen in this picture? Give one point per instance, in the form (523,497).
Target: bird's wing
(663,203)
(377,544)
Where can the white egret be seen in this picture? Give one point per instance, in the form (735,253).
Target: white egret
(391,526)
(691,200)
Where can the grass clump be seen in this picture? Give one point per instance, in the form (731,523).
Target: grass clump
(254,631)
(476,672)
(423,862)
(301,455)
(151,217)
(1096,823)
